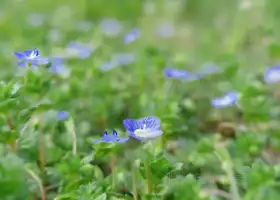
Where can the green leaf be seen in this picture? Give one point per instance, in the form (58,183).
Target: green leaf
(25,114)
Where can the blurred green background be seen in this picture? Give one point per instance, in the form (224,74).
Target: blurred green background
(241,37)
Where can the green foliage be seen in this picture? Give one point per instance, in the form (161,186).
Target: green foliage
(205,153)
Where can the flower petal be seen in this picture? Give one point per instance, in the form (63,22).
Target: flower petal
(22,63)
(131,36)
(42,60)
(109,138)
(80,50)
(84,54)
(131,124)
(272,75)
(114,133)
(165,30)
(28,52)
(122,140)
(107,66)
(152,123)
(96,141)
(175,73)
(123,59)
(61,115)
(148,135)
(19,55)
(228,99)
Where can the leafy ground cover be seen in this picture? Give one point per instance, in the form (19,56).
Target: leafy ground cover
(139,100)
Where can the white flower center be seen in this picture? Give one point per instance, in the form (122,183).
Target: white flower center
(142,133)
(226,100)
(274,76)
(32,55)
(144,127)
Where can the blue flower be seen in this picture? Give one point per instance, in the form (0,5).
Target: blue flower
(175,73)
(80,50)
(111,27)
(123,59)
(144,128)
(118,60)
(229,99)
(54,35)
(61,115)
(36,19)
(111,138)
(107,66)
(132,36)
(30,56)
(181,74)
(193,77)
(165,30)
(272,75)
(210,69)
(58,67)
(84,26)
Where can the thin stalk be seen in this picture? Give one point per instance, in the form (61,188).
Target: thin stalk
(149,186)
(233,184)
(26,74)
(74,145)
(113,164)
(38,180)
(71,129)
(134,185)
(227,165)
(42,155)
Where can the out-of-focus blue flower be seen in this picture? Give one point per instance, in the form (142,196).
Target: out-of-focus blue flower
(61,115)
(54,35)
(175,73)
(193,77)
(118,60)
(210,69)
(108,66)
(111,27)
(165,30)
(35,19)
(30,56)
(181,74)
(111,138)
(59,67)
(123,59)
(82,51)
(144,128)
(272,75)
(132,36)
(84,26)
(229,99)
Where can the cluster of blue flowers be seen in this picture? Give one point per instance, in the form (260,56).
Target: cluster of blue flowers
(142,129)
(145,128)
(271,76)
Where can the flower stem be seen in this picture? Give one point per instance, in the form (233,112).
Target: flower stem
(149,186)
(134,187)
(37,179)
(113,164)
(71,129)
(42,156)
(26,74)
(225,158)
